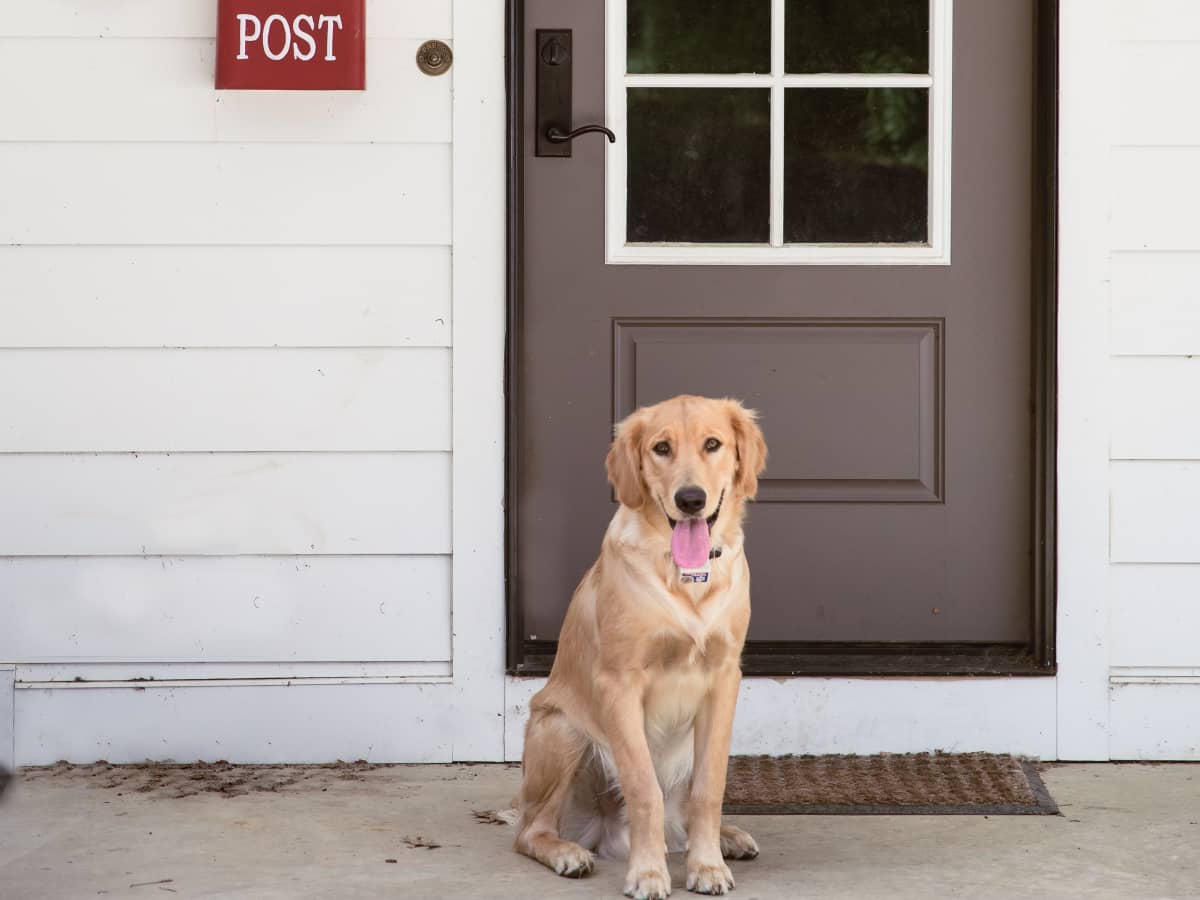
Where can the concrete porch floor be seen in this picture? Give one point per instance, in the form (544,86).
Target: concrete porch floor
(1127,831)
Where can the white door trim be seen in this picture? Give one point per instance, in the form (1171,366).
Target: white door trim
(478,274)
(1085,64)
(1066,717)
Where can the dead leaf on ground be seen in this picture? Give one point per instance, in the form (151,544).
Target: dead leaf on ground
(488,817)
(420,841)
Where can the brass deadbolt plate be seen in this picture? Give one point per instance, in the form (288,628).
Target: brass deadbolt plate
(434,58)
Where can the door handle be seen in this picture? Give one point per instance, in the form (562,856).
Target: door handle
(553,117)
(556,135)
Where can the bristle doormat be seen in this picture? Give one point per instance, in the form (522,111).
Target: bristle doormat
(938,784)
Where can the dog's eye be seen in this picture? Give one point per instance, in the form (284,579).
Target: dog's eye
(662,448)
(712,445)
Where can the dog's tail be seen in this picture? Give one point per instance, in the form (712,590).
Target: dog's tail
(5,779)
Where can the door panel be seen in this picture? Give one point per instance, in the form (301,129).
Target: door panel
(897,508)
(868,394)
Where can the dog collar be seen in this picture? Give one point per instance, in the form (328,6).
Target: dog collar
(714,553)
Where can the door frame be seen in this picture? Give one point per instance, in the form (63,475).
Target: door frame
(1035,656)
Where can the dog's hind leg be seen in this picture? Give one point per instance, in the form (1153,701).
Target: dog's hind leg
(553,751)
(737,844)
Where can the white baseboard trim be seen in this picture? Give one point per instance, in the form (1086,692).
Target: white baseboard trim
(868,715)
(240,722)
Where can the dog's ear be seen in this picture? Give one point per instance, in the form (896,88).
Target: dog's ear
(751,447)
(624,462)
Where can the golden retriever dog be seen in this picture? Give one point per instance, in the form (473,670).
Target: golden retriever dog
(628,742)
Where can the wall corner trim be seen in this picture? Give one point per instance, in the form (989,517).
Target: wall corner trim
(8,677)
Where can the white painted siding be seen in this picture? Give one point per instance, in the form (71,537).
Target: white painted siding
(227,400)
(213,504)
(111,99)
(212,193)
(1155,615)
(250,296)
(1153,378)
(292,609)
(195,19)
(1154,301)
(225,390)
(1162,21)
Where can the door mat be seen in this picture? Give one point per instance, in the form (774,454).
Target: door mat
(924,784)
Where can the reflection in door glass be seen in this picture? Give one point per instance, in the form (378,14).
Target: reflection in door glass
(710,36)
(856,165)
(699,165)
(857,36)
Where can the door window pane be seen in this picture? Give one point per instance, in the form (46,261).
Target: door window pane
(856,165)
(699,165)
(779,131)
(866,36)
(708,36)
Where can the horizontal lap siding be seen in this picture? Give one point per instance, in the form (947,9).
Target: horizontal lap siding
(195,18)
(1154,379)
(216,504)
(1155,299)
(1155,195)
(114,100)
(1146,95)
(1156,20)
(1155,408)
(323,194)
(1156,615)
(225,296)
(1156,516)
(225,357)
(225,400)
(286,608)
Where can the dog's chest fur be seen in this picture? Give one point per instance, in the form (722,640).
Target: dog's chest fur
(675,692)
(674,696)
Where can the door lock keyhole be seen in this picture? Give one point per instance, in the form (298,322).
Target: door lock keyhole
(554,52)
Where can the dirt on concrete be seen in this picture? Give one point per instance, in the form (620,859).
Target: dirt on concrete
(173,780)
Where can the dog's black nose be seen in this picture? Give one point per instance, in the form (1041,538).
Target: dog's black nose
(690,500)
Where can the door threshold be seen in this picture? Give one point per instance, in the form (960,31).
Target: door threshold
(859,659)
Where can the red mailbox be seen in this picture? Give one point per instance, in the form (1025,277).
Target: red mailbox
(291,45)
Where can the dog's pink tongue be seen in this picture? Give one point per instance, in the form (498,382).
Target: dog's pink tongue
(689,543)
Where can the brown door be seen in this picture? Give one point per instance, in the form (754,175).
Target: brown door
(824,209)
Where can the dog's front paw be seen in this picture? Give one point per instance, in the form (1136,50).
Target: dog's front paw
(709,878)
(648,883)
(737,844)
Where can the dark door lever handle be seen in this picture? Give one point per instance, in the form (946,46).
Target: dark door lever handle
(556,135)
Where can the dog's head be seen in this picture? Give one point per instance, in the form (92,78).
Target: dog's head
(687,457)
